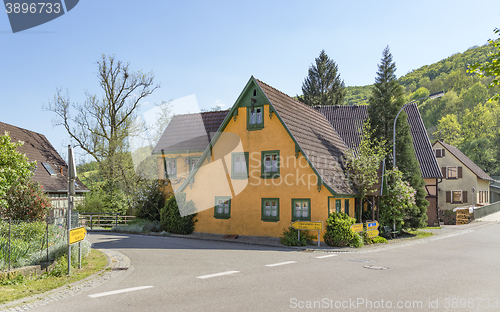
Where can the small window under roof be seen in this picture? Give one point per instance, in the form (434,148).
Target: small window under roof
(49,169)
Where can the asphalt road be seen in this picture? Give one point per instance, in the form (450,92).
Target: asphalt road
(457,272)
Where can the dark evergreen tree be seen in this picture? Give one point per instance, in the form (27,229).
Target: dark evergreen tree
(385,102)
(323,85)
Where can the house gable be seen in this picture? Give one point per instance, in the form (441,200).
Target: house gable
(313,136)
(461,185)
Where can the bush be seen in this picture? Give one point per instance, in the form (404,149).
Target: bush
(170,217)
(26,201)
(290,237)
(357,241)
(379,240)
(338,230)
(149,201)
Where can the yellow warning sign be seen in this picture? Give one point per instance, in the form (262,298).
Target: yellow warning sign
(77,235)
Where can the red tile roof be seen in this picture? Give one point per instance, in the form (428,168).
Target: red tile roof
(37,148)
(312,131)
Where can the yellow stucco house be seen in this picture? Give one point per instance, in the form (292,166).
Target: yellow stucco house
(256,168)
(464,183)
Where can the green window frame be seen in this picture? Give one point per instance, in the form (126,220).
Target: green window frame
(192,162)
(338,205)
(346,206)
(222,207)
(270,209)
(255,119)
(239,171)
(171,165)
(270,164)
(301,209)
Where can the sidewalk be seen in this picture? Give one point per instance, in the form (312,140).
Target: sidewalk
(275,242)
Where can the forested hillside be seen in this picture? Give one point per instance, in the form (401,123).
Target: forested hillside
(464,116)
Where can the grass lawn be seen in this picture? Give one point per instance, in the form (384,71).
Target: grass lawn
(21,287)
(419,233)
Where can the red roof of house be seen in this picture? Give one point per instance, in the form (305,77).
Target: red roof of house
(37,148)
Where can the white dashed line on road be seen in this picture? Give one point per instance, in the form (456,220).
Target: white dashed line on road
(281,263)
(327,256)
(114,292)
(217,274)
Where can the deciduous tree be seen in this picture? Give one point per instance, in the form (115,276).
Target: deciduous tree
(15,168)
(102,124)
(490,68)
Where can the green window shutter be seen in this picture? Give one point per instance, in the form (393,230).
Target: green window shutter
(239,165)
(346,206)
(301,209)
(255,118)
(222,207)
(270,164)
(270,209)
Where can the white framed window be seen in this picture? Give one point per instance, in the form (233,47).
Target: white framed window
(456,197)
(439,152)
(452,172)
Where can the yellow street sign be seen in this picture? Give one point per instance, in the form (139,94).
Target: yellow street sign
(372,233)
(371,225)
(77,235)
(308,225)
(358,227)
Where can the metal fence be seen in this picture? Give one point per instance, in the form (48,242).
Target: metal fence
(24,243)
(486,210)
(93,220)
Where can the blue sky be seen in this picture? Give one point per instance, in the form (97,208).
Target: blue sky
(210,49)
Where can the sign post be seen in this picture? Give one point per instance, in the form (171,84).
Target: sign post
(308,225)
(71,194)
(357,227)
(372,229)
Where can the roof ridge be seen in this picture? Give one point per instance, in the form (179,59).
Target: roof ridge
(24,129)
(311,108)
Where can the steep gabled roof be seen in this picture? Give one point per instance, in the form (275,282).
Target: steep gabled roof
(312,133)
(190,132)
(465,160)
(37,148)
(348,121)
(320,143)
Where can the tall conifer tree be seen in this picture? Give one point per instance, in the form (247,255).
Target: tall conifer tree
(323,85)
(386,100)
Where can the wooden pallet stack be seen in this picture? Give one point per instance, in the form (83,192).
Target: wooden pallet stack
(463,216)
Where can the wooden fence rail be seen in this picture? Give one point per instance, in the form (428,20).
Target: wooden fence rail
(91,219)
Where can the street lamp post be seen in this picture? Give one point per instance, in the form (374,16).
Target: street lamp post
(432,96)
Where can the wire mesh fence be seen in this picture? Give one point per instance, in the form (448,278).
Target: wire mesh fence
(24,243)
